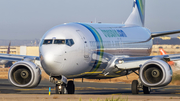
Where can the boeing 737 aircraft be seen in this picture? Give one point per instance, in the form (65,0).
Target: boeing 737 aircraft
(175,64)
(171,63)
(96,51)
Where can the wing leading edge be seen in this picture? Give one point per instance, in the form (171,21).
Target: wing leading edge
(12,57)
(157,34)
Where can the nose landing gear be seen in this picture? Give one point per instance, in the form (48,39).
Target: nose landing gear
(70,87)
(63,87)
(60,89)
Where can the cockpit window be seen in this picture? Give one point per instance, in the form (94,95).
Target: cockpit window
(69,42)
(59,41)
(48,41)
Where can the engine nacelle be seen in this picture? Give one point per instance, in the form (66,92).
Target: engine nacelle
(24,74)
(155,73)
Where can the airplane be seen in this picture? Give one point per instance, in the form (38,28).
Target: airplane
(96,51)
(175,64)
(171,63)
(2,62)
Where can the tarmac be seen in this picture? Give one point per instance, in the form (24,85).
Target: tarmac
(86,91)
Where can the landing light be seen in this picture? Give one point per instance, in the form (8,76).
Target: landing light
(59,87)
(121,61)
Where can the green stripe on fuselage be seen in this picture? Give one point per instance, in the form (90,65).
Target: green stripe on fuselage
(100,47)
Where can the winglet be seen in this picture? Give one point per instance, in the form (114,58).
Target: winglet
(137,16)
(162,51)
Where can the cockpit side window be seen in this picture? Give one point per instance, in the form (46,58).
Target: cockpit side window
(69,42)
(59,41)
(48,41)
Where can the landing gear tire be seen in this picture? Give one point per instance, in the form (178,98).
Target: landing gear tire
(146,90)
(70,87)
(134,87)
(60,89)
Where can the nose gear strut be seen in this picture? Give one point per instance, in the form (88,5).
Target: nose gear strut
(62,86)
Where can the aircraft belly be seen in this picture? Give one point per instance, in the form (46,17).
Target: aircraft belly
(99,75)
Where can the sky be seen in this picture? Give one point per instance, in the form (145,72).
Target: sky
(30,19)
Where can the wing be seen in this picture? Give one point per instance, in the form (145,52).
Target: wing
(134,63)
(12,57)
(153,71)
(157,34)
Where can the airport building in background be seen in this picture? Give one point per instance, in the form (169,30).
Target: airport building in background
(21,50)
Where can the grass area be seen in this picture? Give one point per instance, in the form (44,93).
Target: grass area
(118,99)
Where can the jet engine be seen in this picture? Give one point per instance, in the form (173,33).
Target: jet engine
(155,73)
(24,74)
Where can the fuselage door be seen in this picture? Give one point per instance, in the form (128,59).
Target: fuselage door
(86,48)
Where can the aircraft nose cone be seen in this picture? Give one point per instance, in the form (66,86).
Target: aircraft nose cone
(47,59)
(51,60)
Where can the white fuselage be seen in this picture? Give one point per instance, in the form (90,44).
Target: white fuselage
(79,50)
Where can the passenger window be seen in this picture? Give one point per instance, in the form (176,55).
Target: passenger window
(69,42)
(47,41)
(59,41)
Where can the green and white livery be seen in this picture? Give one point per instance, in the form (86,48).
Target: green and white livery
(95,51)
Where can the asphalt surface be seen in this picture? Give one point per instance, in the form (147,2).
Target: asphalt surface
(86,88)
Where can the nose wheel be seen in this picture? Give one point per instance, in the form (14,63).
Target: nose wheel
(62,86)
(65,89)
(70,87)
(60,89)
